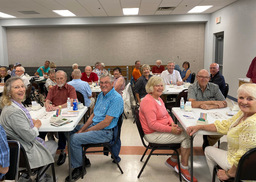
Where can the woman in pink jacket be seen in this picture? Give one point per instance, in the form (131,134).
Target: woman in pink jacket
(159,127)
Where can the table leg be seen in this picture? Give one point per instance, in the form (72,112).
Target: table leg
(191,157)
(69,160)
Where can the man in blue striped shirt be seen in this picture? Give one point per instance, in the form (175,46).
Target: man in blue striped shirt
(4,153)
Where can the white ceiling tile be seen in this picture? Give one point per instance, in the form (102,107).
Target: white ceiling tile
(93,7)
(112,7)
(130,3)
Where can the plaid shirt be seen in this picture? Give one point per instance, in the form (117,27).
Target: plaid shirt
(4,150)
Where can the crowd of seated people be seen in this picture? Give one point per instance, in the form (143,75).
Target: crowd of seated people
(158,126)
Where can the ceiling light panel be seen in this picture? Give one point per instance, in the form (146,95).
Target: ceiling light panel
(64,12)
(131,11)
(199,9)
(4,15)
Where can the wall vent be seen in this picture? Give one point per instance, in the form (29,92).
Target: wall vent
(29,12)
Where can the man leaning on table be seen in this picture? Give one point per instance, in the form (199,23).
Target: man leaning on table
(57,98)
(98,128)
(171,76)
(206,95)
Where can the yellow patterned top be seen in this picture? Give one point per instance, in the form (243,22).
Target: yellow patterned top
(240,138)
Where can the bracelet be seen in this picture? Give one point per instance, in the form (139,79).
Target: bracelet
(226,172)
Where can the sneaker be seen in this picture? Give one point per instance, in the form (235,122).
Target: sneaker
(185,174)
(170,163)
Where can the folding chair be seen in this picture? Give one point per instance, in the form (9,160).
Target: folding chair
(107,147)
(80,98)
(13,171)
(155,146)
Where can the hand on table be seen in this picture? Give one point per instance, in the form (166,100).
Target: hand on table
(192,129)
(51,107)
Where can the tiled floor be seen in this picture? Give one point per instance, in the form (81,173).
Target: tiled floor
(102,168)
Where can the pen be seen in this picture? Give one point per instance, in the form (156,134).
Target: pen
(189,117)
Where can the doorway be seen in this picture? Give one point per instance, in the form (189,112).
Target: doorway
(219,42)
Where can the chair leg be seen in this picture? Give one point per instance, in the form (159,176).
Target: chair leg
(143,155)
(83,166)
(145,163)
(214,173)
(116,161)
(53,173)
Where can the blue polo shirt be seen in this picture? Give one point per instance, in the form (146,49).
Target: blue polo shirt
(40,71)
(4,150)
(84,88)
(111,104)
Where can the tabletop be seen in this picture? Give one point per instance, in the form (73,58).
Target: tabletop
(45,117)
(95,88)
(187,119)
(174,89)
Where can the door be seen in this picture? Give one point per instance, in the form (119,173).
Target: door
(219,42)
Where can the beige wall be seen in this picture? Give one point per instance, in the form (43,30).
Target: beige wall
(113,45)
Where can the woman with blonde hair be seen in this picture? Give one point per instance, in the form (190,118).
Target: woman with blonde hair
(159,127)
(4,75)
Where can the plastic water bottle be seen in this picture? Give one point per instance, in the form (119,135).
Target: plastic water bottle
(75,105)
(69,104)
(182,103)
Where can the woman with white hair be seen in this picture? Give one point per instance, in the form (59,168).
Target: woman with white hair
(240,131)
(159,127)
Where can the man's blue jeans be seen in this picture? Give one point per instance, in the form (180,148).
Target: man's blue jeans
(90,137)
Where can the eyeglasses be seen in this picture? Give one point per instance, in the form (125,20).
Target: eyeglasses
(18,71)
(203,77)
(102,83)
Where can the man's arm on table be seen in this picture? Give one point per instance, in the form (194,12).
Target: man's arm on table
(208,104)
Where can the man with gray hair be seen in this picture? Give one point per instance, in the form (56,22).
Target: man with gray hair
(99,128)
(206,95)
(217,77)
(158,68)
(20,73)
(171,76)
(82,87)
(89,76)
(57,98)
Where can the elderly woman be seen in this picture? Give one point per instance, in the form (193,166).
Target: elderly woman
(159,127)
(119,81)
(240,131)
(186,73)
(140,84)
(4,75)
(51,80)
(19,125)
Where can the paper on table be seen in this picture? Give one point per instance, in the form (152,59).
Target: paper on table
(70,114)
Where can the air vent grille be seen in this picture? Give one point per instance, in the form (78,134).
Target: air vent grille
(29,12)
(165,8)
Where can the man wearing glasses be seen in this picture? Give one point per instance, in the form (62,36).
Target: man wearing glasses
(20,73)
(206,95)
(99,127)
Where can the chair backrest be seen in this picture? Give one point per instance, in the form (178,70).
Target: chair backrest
(193,76)
(246,169)
(139,127)
(80,97)
(24,160)
(226,90)
(183,94)
(12,174)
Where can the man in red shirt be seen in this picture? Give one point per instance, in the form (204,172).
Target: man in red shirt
(57,98)
(89,76)
(158,68)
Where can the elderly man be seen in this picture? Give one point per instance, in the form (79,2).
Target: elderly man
(171,76)
(158,68)
(136,71)
(89,76)
(4,153)
(97,68)
(206,95)
(14,69)
(57,98)
(20,73)
(82,87)
(99,127)
(216,77)
(43,70)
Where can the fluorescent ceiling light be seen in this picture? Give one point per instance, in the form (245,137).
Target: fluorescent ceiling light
(4,15)
(64,12)
(130,11)
(199,9)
